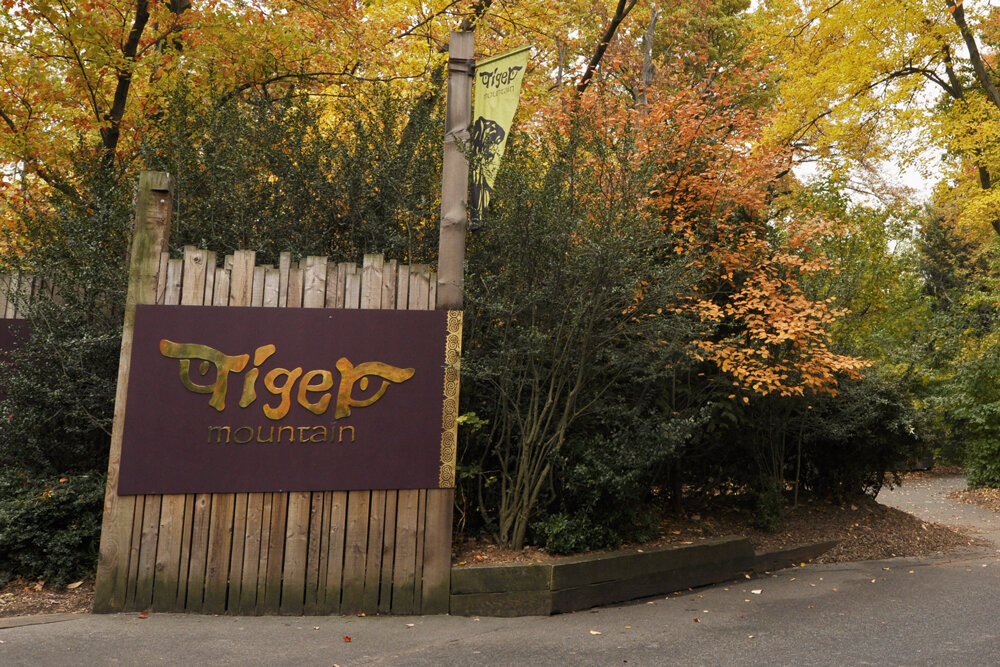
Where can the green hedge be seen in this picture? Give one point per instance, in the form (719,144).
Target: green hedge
(50,527)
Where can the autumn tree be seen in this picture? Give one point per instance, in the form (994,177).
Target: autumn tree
(888,80)
(701,277)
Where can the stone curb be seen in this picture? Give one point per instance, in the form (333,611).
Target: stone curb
(35,619)
(782,558)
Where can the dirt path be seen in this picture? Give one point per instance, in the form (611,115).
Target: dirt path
(927,499)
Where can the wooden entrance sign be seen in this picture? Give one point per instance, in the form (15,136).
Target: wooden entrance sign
(259,551)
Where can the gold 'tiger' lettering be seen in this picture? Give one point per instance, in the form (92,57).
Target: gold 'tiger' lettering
(281,381)
(224,364)
(349,374)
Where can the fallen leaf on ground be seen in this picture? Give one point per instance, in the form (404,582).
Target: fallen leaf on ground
(347,638)
(75,584)
(595,632)
(143,614)
(757,591)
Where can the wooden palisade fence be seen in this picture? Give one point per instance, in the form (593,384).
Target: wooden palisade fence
(323,552)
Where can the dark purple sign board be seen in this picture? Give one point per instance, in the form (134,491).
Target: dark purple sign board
(232,400)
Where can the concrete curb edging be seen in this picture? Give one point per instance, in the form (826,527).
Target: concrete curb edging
(590,580)
(37,619)
(778,560)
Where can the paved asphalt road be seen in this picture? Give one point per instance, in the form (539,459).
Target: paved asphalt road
(897,612)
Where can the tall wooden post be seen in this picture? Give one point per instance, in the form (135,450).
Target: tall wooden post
(455,173)
(153,208)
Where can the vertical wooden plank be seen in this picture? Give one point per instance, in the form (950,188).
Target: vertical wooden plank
(405,557)
(276,504)
(418,300)
(413,291)
(199,268)
(436,577)
(314,286)
(217,537)
(419,286)
(371,297)
(258,517)
(198,557)
(314,296)
(315,553)
(216,293)
(333,577)
(388,553)
(341,293)
(334,503)
(403,287)
(352,288)
(241,291)
(161,285)
(196,270)
(275,556)
(355,549)
(245,602)
(373,556)
(133,555)
(332,287)
(152,228)
(418,564)
(371,281)
(210,267)
(241,283)
(271,282)
(432,291)
(221,295)
(284,266)
(358,502)
(258,287)
(145,570)
(147,553)
(254,599)
(254,589)
(166,579)
(297,526)
(296,285)
(390,272)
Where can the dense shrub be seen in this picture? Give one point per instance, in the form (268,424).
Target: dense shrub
(857,441)
(49,526)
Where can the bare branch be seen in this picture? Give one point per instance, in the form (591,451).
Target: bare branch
(621,12)
(111,134)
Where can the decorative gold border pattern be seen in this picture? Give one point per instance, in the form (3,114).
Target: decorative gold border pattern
(449,410)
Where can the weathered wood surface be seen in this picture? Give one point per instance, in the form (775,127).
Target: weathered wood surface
(263,553)
(154,205)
